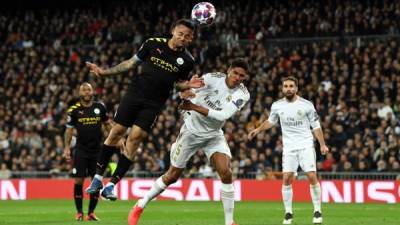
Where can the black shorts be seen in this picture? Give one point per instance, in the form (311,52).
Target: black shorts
(84,163)
(136,111)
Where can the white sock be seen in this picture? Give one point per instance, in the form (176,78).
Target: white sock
(98,177)
(228,202)
(155,190)
(315,191)
(287,196)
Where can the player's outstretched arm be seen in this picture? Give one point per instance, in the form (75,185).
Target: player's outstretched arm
(266,125)
(120,68)
(320,137)
(195,82)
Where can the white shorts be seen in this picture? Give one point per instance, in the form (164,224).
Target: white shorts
(188,143)
(304,157)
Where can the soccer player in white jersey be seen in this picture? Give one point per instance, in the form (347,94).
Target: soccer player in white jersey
(221,97)
(296,116)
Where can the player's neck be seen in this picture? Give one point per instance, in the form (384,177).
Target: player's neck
(230,86)
(293,99)
(86,103)
(172,46)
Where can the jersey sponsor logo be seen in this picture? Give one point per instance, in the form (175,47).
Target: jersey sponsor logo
(89,120)
(97,110)
(213,105)
(238,103)
(179,61)
(292,122)
(164,64)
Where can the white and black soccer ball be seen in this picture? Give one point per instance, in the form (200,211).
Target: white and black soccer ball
(204,13)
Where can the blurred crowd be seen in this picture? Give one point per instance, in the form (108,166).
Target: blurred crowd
(353,83)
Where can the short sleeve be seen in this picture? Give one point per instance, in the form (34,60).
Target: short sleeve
(103,112)
(71,119)
(313,117)
(273,116)
(144,51)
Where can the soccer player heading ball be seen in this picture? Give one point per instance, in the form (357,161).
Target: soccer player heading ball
(166,63)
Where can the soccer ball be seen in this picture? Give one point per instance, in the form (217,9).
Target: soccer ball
(204,13)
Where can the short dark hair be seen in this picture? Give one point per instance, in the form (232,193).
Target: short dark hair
(185,22)
(292,78)
(240,62)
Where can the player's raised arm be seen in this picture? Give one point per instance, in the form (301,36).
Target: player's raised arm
(120,68)
(195,82)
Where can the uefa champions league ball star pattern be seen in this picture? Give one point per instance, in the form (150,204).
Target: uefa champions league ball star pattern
(204,13)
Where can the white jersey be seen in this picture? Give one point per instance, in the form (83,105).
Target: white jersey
(295,118)
(221,101)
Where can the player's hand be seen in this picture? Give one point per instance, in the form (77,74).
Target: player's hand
(94,69)
(253,133)
(67,153)
(324,149)
(196,82)
(187,94)
(186,105)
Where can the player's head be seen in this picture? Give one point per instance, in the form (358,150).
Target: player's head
(86,92)
(289,87)
(182,33)
(237,72)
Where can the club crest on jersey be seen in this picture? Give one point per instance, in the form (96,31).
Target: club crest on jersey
(69,119)
(238,103)
(216,92)
(179,61)
(97,110)
(300,112)
(229,98)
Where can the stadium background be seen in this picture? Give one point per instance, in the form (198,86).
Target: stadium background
(345,54)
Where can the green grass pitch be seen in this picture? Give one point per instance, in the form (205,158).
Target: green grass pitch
(59,212)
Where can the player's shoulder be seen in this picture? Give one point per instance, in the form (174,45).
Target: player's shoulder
(306,102)
(243,92)
(188,56)
(279,102)
(99,104)
(156,40)
(74,107)
(215,75)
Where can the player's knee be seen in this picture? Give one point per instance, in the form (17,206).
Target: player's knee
(135,138)
(225,175)
(312,178)
(78,181)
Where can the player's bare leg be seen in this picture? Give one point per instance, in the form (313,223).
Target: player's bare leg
(170,177)
(78,198)
(315,191)
(287,196)
(221,163)
(133,141)
(108,149)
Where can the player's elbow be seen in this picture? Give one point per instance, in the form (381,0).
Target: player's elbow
(218,115)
